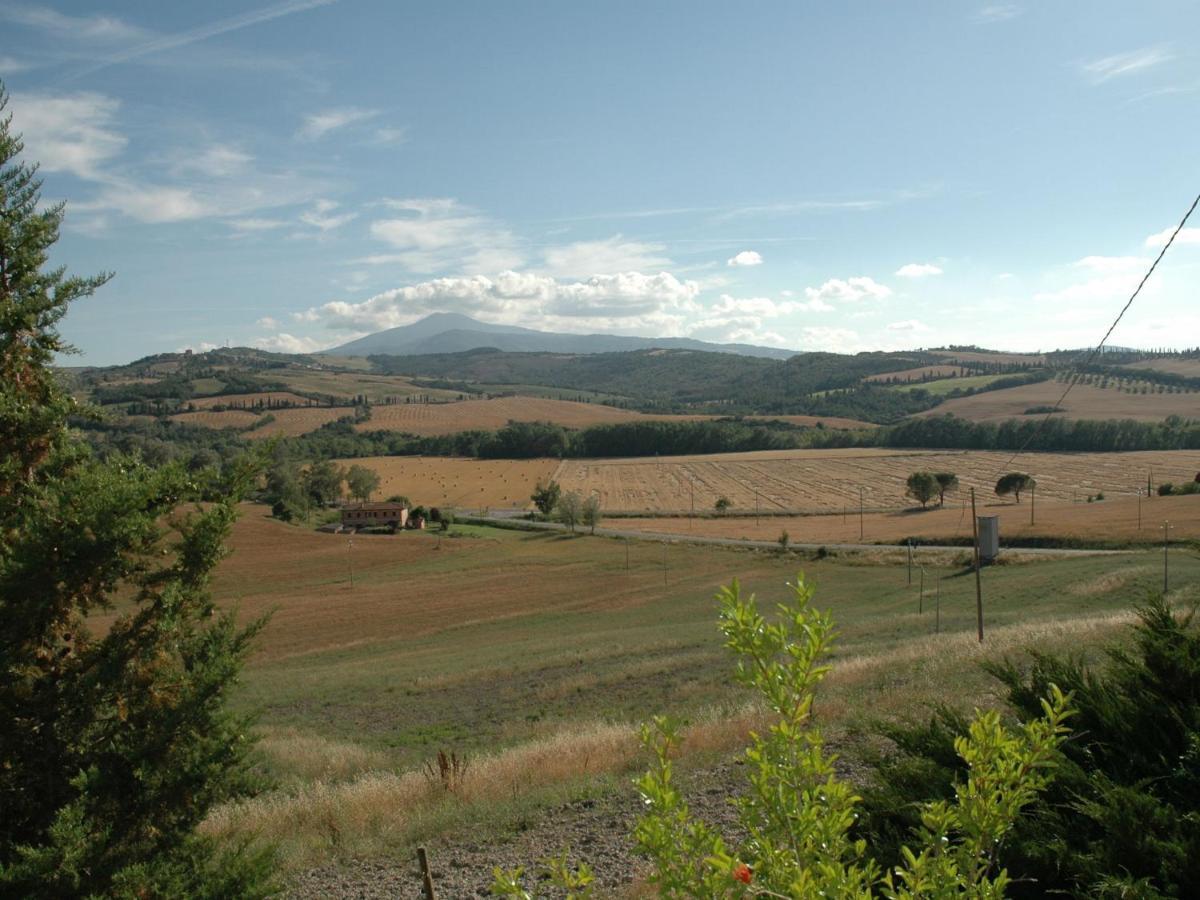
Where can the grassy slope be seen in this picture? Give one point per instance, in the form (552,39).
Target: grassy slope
(537,655)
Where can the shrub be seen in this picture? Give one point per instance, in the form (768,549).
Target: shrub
(797,814)
(1123,817)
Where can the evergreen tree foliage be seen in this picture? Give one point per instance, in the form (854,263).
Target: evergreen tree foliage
(114,738)
(1122,818)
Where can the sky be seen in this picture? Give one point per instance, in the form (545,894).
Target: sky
(819,176)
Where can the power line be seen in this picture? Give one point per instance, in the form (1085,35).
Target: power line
(1074,379)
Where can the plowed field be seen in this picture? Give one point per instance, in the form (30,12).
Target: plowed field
(462,483)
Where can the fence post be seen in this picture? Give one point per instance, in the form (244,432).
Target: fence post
(426,875)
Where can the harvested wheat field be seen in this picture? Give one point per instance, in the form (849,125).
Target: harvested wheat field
(447,418)
(1085,401)
(827,480)
(457,482)
(287,422)
(1189,368)
(1109,520)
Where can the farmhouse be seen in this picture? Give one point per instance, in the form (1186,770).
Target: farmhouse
(364,515)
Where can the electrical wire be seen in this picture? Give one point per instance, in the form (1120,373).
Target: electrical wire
(1074,379)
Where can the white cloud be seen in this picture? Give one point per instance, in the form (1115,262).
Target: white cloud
(438,233)
(267,322)
(918,270)
(1106,280)
(630,300)
(10,65)
(850,290)
(745,258)
(255,224)
(1112,265)
(1120,64)
(391,136)
(614,254)
(216,161)
(908,325)
(152,204)
(68,132)
(997,12)
(829,339)
(289,343)
(1186,236)
(83,28)
(321,217)
(318,125)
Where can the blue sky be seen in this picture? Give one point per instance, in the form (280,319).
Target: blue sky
(834,176)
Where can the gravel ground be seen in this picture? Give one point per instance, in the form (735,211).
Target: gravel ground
(597,832)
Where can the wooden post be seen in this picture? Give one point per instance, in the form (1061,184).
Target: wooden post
(921,599)
(426,875)
(626,554)
(350,560)
(978,581)
(860,514)
(937,607)
(910,562)
(1032,500)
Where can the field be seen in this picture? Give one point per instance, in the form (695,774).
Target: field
(1187,367)
(461,483)
(1112,520)
(828,480)
(917,374)
(1084,402)
(813,421)
(537,655)
(287,422)
(943,386)
(352,384)
(447,418)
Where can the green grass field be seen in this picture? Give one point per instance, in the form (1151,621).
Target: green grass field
(502,644)
(942,386)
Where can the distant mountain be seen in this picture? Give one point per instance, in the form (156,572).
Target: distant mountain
(454,333)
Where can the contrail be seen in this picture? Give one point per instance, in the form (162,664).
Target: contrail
(203,32)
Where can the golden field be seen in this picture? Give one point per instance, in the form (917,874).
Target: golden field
(1085,401)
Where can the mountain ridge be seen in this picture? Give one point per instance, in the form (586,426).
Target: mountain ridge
(455,333)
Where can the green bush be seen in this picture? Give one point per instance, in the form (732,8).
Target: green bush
(1123,817)
(797,815)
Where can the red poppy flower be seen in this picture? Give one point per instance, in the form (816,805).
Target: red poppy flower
(742,873)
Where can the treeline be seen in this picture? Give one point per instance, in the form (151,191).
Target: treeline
(1053,434)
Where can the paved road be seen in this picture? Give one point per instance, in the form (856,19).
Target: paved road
(658,536)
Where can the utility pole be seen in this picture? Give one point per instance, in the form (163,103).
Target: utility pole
(1166,530)
(1032,500)
(921,598)
(978,581)
(350,560)
(1139,493)
(860,514)
(937,607)
(910,562)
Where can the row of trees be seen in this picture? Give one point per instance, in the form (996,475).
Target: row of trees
(923,486)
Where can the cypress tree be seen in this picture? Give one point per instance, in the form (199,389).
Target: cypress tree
(115,665)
